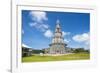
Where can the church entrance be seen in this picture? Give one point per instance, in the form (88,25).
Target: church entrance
(58,52)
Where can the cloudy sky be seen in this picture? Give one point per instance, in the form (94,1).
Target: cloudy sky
(38,28)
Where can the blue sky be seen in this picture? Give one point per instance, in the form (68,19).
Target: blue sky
(38,28)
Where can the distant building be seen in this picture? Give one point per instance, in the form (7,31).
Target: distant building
(26,51)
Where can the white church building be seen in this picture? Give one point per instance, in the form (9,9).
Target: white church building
(57,46)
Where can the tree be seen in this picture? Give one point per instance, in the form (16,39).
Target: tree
(37,51)
(78,50)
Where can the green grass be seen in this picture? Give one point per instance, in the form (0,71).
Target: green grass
(38,58)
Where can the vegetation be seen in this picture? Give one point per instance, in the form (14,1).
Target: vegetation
(37,51)
(77,50)
(74,56)
(80,50)
(37,55)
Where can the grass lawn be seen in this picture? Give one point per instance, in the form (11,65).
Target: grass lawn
(38,58)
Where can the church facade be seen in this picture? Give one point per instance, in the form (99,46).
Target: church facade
(57,46)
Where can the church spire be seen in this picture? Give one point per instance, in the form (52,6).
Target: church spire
(57,24)
(57,21)
(58,28)
(57,46)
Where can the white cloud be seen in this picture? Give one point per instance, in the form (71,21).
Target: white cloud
(39,22)
(48,34)
(33,24)
(81,37)
(66,40)
(41,27)
(38,16)
(65,33)
(46,26)
(24,45)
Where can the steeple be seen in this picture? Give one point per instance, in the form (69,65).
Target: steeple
(57,45)
(58,34)
(57,24)
(58,28)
